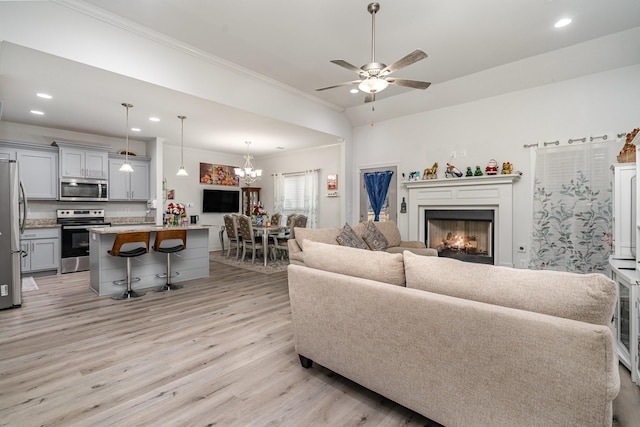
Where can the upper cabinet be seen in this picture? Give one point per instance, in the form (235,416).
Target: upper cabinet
(129,185)
(79,161)
(37,168)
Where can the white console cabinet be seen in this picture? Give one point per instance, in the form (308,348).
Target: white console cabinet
(622,210)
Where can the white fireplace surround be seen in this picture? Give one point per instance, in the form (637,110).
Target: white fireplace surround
(491,192)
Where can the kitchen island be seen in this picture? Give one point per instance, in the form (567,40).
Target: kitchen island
(192,263)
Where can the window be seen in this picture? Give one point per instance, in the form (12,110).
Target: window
(293,194)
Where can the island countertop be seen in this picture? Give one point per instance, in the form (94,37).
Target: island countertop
(115,229)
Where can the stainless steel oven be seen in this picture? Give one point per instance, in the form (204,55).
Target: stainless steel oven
(83,190)
(75,225)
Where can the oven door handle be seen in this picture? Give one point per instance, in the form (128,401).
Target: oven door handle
(83,227)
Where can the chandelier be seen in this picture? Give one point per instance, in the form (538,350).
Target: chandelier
(248,174)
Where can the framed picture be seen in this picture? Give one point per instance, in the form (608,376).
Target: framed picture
(332,182)
(218,175)
(171,194)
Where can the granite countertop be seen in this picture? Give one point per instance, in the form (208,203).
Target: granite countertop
(41,223)
(142,227)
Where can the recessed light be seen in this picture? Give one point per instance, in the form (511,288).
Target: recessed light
(154,119)
(354,90)
(44,95)
(37,113)
(562,23)
(135,129)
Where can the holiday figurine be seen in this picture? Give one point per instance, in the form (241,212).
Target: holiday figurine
(478,171)
(452,172)
(492,167)
(506,168)
(469,171)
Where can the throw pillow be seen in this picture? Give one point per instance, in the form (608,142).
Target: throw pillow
(374,238)
(348,237)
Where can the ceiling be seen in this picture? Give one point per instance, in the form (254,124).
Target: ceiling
(292,43)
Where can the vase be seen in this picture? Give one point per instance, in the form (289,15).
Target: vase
(259,220)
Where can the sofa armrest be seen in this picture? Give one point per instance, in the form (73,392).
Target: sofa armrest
(295,253)
(412,244)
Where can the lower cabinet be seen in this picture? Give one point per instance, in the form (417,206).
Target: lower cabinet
(40,249)
(627,316)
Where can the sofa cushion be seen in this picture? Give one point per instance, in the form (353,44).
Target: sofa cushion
(583,297)
(323,235)
(374,238)
(374,265)
(348,237)
(390,231)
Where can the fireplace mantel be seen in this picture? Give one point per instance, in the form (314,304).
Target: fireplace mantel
(493,192)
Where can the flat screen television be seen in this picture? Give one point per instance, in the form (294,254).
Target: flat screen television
(220,201)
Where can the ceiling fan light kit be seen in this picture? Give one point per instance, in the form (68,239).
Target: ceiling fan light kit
(374,75)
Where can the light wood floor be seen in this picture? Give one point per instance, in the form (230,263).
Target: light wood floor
(218,352)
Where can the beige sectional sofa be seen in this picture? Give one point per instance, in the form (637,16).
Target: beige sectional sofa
(463,344)
(328,235)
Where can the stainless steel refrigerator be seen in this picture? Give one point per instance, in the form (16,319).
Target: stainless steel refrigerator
(13,208)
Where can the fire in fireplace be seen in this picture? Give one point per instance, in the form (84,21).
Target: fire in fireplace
(466,235)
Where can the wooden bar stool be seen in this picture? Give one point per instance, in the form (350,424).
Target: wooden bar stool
(130,238)
(166,235)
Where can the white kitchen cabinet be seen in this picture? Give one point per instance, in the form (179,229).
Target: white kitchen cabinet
(41,249)
(79,161)
(129,185)
(38,171)
(622,210)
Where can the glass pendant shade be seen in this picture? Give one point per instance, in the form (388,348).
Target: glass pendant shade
(373,85)
(182,171)
(126,166)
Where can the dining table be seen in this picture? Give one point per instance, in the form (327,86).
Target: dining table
(266,232)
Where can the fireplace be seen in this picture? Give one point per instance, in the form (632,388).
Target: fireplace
(493,193)
(466,235)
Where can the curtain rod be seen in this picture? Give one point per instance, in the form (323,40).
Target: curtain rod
(297,173)
(572,140)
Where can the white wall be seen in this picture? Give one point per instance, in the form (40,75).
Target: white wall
(498,127)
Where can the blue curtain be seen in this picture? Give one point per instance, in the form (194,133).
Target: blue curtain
(377,184)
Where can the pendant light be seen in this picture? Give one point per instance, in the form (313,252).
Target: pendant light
(126,166)
(182,171)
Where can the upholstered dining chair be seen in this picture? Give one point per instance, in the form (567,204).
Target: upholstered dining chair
(249,239)
(275,219)
(231,227)
(281,243)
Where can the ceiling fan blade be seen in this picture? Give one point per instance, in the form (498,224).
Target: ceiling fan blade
(415,84)
(370,97)
(348,66)
(353,82)
(415,56)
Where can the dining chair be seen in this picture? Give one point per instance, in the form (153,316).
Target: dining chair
(249,239)
(281,243)
(231,227)
(275,219)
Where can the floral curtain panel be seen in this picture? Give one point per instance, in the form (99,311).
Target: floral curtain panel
(571,227)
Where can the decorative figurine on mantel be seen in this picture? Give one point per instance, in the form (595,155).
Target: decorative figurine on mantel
(431,173)
(492,167)
(478,171)
(628,152)
(452,172)
(469,171)
(506,168)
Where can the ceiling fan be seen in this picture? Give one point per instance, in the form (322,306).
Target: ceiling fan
(374,76)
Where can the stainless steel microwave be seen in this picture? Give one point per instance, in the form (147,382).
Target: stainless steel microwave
(83,190)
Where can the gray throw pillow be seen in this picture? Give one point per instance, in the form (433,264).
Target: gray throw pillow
(374,238)
(348,237)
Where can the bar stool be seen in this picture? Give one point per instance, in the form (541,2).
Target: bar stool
(170,234)
(122,239)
